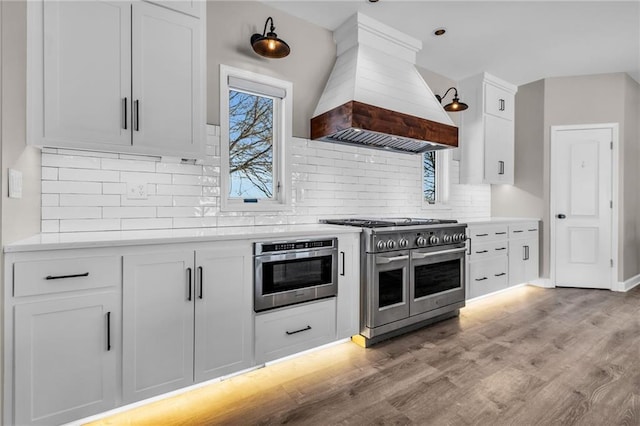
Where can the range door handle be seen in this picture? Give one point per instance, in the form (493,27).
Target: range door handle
(381,260)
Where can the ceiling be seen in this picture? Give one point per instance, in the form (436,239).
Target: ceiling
(519,41)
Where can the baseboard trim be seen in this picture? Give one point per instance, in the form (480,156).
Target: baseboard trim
(542,282)
(627,285)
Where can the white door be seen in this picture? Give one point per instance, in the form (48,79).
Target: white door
(224,314)
(581,182)
(65,358)
(157,323)
(166,80)
(87,73)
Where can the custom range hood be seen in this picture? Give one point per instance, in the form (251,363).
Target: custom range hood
(375,96)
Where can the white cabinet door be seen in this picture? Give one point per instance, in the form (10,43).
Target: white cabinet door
(158,312)
(523,261)
(166,81)
(348,301)
(499,150)
(195,8)
(87,80)
(499,102)
(65,358)
(224,311)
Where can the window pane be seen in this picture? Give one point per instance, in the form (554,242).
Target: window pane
(429,177)
(250,145)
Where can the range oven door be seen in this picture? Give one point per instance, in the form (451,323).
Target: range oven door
(388,288)
(437,279)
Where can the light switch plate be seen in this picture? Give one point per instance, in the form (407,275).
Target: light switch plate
(15,183)
(137,191)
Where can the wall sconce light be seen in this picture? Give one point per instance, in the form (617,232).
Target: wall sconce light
(455,105)
(268,44)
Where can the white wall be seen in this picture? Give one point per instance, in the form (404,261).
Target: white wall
(86,191)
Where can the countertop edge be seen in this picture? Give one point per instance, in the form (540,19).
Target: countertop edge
(82,240)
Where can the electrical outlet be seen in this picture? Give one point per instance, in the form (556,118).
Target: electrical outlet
(15,183)
(137,191)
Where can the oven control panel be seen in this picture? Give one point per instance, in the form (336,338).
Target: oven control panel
(437,237)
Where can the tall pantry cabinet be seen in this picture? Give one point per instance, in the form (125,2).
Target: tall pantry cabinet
(487,130)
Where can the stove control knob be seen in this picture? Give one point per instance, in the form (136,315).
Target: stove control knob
(462,237)
(403,243)
(391,244)
(381,245)
(433,240)
(447,239)
(456,238)
(421,242)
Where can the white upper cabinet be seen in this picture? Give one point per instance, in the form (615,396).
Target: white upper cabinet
(487,131)
(115,76)
(195,8)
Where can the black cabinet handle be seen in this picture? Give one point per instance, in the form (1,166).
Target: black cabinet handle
(482,251)
(501,233)
(517,231)
(501,105)
(136,108)
(124,109)
(289,333)
(501,248)
(108,331)
(482,279)
(189,280)
(482,235)
(532,230)
(60,277)
(500,274)
(201,274)
(561,216)
(526,253)
(469,252)
(343,265)
(500,167)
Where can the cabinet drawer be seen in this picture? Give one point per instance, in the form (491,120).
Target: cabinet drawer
(488,277)
(483,234)
(59,275)
(295,329)
(498,102)
(488,250)
(523,230)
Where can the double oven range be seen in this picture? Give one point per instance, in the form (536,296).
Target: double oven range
(413,273)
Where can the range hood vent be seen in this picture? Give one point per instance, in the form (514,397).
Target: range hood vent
(375,97)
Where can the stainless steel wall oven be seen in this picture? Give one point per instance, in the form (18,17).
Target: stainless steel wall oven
(288,272)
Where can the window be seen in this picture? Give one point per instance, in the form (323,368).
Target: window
(435,173)
(255,115)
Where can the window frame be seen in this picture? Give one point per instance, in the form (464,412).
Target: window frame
(282,132)
(443,169)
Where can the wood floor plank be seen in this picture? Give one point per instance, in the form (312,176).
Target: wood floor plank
(529,356)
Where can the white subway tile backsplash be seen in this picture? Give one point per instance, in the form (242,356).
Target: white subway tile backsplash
(78,200)
(129,212)
(58,187)
(88,175)
(328,180)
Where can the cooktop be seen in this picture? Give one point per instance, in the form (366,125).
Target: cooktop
(387,222)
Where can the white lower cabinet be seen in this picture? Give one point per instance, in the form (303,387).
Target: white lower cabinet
(286,331)
(65,363)
(171,297)
(501,256)
(348,301)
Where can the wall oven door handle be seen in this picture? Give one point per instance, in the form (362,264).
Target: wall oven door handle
(381,260)
(436,253)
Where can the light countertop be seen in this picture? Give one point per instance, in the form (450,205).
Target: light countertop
(501,220)
(79,240)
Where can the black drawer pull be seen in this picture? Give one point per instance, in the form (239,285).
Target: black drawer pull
(518,231)
(532,230)
(500,233)
(500,274)
(343,265)
(482,279)
(501,248)
(60,277)
(289,333)
(189,280)
(482,251)
(482,235)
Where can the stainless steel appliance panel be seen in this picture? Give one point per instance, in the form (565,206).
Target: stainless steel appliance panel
(389,298)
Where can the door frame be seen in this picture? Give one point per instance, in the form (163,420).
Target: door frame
(615,182)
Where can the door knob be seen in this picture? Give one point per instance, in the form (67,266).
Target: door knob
(561,216)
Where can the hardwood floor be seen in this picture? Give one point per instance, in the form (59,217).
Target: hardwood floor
(530,356)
